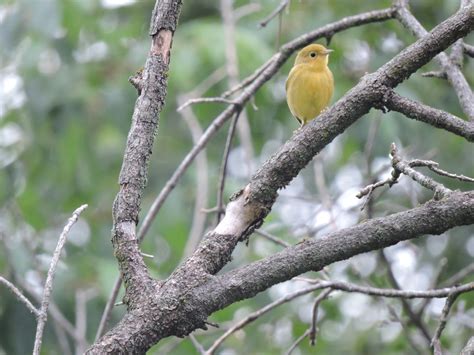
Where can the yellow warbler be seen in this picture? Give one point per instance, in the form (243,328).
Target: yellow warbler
(310,84)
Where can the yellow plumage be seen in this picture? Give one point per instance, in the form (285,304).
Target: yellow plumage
(310,84)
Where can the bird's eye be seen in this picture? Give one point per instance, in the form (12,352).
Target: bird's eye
(312,54)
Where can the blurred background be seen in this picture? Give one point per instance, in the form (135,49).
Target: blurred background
(65,111)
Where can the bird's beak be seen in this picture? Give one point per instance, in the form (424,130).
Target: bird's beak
(328,51)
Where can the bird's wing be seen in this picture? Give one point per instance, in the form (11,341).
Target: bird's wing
(290,77)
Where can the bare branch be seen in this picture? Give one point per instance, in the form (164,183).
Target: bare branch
(430,115)
(297,342)
(133,174)
(108,308)
(412,315)
(182,303)
(435,342)
(252,84)
(19,295)
(441,268)
(272,238)
(315,254)
(435,74)
(54,312)
(405,168)
(404,325)
(433,166)
(232,69)
(313,330)
(201,100)
(223,170)
(197,345)
(391,293)
(202,186)
(48,286)
(453,72)
(469,50)
(279,9)
(460,275)
(401,166)
(255,315)
(82,297)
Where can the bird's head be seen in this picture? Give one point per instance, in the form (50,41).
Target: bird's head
(315,54)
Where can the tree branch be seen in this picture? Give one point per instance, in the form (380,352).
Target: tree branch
(430,115)
(252,84)
(435,217)
(140,140)
(48,286)
(453,72)
(183,302)
(20,296)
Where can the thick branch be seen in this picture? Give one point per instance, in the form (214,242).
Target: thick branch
(452,71)
(252,84)
(430,115)
(140,140)
(182,303)
(434,217)
(253,203)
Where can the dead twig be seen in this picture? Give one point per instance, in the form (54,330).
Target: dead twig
(48,286)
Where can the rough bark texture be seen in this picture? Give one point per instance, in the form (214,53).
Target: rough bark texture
(430,115)
(182,303)
(152,86)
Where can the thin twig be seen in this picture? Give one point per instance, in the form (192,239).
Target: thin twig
(254,82)
(314,329)
(433,166)
(61,336)
(469,50)
(435,74)
(54,311)
(391,293)
(197,345)
(201,100)
(272,238)
(414,318)
(202,184)
(453,72)
(404,167)
(19,295)
(250,79)
(297,342)
(48,286)
(460,275)
(278,10)
(436,280)
(405,328)
(232,69)
(223,170)
(246,10)
(108,308)
(435,342)
(401,166)
(255,315)
(82,297)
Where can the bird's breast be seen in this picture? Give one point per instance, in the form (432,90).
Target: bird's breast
(309,91)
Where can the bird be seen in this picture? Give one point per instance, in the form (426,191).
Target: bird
(310,83)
